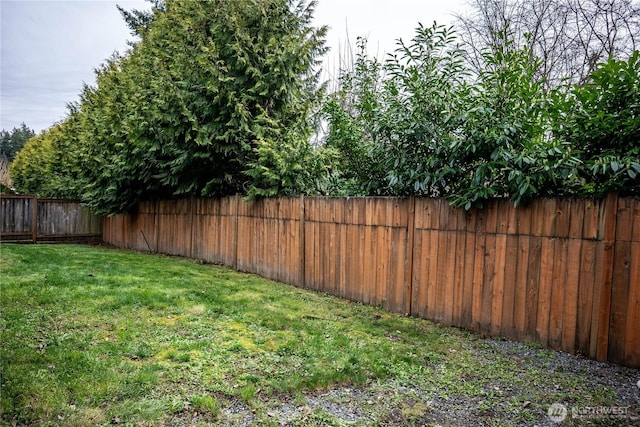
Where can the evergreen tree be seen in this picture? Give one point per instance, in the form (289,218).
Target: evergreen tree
(12,141)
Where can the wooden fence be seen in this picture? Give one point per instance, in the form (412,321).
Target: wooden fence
(561,272)
(29,219)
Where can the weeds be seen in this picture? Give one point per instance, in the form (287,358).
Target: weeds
(93,336)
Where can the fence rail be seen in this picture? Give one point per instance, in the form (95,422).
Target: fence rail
(29,219)
(561,272)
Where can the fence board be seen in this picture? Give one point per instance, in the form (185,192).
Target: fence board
(488,281)
(606,231)
(635,219)
(584,323)
(520,287)
(557,292)
(441,283)
(619,302)
(597,292)
(419,273)
(478,275)
(620,285)
(571,290)
(507,326)
(632,330)
(361,269)
(345,262)
(431,279)
(498,300)
(547,253)
(449,285)
(469,264)
(458,273)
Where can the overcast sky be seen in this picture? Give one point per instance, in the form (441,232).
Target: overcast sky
(49,48)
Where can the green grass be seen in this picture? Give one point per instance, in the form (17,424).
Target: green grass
(94,336)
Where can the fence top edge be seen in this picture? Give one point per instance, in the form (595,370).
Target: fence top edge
(320,197)
(40,199)
(17,196)
(61,201)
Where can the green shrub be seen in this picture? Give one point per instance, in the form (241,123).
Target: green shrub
(423,124)
(601,120)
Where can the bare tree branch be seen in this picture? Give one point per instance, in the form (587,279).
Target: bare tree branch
(570,36)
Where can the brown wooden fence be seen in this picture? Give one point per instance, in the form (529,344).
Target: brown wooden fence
(29,219)
(561,272)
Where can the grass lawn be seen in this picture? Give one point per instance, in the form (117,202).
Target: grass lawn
(97,336)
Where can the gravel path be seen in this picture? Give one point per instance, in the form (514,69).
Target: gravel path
(390,403)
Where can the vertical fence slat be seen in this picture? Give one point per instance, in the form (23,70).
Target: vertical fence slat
(509,304)
(450,236)
(478,271)
(34,220)
(469,264)
(608,230)
(620,286)
(572,290)
(458,294)
(632,339)
(420,261)
(547,254)
(558,286)
(498,293)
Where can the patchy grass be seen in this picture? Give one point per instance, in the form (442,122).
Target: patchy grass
(95,336)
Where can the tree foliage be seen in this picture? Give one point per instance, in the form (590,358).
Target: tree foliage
(426,123)
(47,164)
(11,142)
(351,112)
(222,97)
(601,119)
(421,111)
(139,20)
(506,148)
(190,108)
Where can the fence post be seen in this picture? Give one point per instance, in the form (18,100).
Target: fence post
(34,221)
(156,222)
(235,238)
(301,240)
(191,227)
(610,219)
(408,289)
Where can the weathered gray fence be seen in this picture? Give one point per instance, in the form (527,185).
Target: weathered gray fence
(29,219)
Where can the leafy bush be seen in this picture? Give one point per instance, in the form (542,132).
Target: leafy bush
(351,112)
(422,112)
(506,148)
(423,124)
(601,120)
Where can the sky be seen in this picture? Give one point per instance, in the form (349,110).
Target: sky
(49,48)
